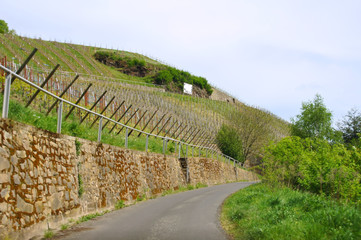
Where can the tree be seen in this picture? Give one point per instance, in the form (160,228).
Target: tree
(229,142)
(255,128)
(350,127)
(3,27)
(314,121)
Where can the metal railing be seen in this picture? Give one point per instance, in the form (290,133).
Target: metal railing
(11,75)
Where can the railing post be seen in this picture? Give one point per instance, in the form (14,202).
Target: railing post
(199,152)
(100,129)
(179,150)
(60,117)
(126,137)
(6,97)
(146,143)
(186,151)
(187,171)
(164,146)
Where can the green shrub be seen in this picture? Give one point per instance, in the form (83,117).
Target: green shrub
(80,183)
(48,233)
(229,142)
(4,28)
(64,226)
(179,77)
(77,147)
(315,165)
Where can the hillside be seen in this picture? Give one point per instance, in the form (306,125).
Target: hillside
(128,79)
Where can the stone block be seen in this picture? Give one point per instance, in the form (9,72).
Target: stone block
(55,201)
(4,178)
(3,207)
(23,206)
(5,193)
(4,163)
(4,152)
(52,189)
(21,154)
(5,220)
(14,160)
(39,206)
(28,180)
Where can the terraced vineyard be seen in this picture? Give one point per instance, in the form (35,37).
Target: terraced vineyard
(128,98)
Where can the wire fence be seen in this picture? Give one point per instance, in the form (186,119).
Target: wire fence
(11,76)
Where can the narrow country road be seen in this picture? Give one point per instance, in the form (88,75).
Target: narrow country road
(188,215)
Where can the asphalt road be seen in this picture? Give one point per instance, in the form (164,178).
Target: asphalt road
(188,215)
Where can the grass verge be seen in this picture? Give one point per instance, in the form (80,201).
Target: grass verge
(262,212)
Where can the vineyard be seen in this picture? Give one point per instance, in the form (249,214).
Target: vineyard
(127,99)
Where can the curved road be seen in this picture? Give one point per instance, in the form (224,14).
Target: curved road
(188,215)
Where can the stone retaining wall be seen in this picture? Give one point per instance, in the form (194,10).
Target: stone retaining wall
(40,173)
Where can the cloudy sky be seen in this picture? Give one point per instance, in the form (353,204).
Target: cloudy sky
(274,54)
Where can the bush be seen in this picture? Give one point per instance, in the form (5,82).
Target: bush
(4,28)
(229,142)
(127,65)
(179,77)
(316,166)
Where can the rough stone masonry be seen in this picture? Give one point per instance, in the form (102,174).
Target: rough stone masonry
(40,175)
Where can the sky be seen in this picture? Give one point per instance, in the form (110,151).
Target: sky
(273,54)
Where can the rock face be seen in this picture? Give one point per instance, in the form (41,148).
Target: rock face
(41,175)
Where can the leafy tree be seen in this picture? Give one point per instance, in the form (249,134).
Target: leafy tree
(314,121)
(255,128)
(229,142)
(3,27)
(350,127)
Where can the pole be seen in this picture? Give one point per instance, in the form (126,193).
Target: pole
(105,108)
(5,113)
(62,94)
(42,85)
(78,101)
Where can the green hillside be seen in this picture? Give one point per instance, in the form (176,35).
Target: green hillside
(129,77)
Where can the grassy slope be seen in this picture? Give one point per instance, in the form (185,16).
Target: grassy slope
(71,57)
(72,127)
(200,113)
(262,212)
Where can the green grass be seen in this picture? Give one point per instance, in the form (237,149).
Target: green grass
(184,188)
(64,226)
(71,126)
(89,217)
(48,233)
(262,212)
(120,204)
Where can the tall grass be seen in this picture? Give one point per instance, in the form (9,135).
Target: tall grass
(262,212)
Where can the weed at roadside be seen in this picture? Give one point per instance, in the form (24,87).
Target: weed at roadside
(48,234)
